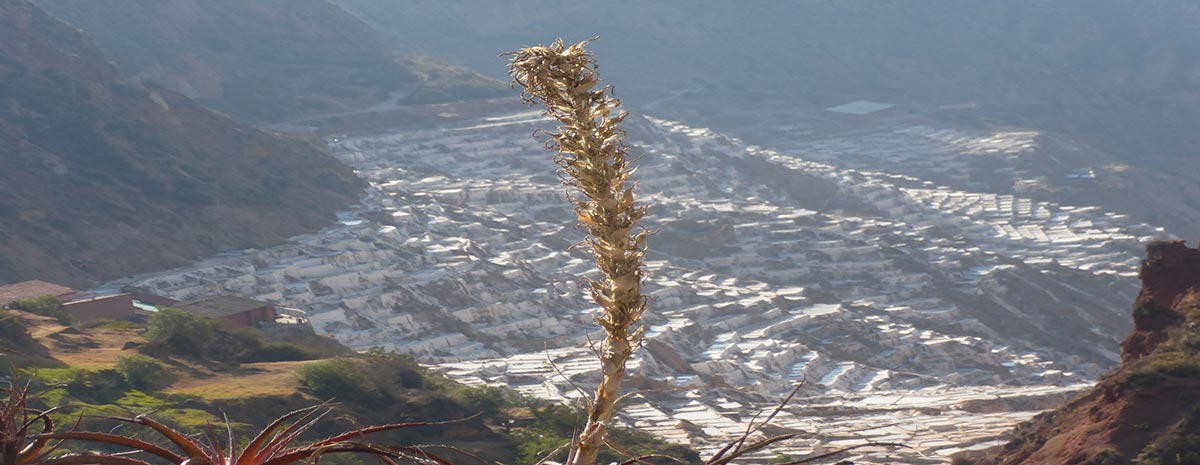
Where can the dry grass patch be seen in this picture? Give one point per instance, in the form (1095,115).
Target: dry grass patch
(251,380)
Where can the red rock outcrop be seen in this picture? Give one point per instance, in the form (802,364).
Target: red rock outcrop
(1148,410)
(1170,270)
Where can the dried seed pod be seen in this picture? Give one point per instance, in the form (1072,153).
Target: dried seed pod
(592,159)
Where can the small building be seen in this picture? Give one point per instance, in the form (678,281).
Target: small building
(34,289)
(231,311)
(109,307)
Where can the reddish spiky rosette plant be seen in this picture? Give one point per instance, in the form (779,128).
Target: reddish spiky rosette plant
(19,444)
(272,446)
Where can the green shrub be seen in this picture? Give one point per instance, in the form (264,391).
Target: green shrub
(333,378)
(239,345)
(93,386)
(173,331)
(142,372)
(1105,457)
(485,400)
(389,373)
(46,305)
(554,423)
(1177,450)
(639,444)
(11,328)
(181,331)
(283,352)
(532,446)
(780,459)
(1156,368)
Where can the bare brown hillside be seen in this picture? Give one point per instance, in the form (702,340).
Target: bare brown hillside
(263,60)
(101,178)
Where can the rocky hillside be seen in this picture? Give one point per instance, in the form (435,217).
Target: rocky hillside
(101,178)
(247,378)
(1146,412)
(261,61)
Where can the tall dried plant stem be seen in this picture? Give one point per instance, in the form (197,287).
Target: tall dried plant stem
(592,159)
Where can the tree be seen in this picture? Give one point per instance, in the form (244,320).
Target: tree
(46,305)
(142,372)
(335,377)
(180,330)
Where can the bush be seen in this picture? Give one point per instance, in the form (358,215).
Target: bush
(46,305)
(485,400)
(388,373)
(1157,368)
(173,331)
(283,352)
(239,345)
(1174,450)
(142,372)
(1105,457)
(532,446)
(181,331)
(335,377)
(11,328)
(102,386)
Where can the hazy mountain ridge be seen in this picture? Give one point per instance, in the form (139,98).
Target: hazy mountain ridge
(101,178)
(1030,53)
(1117,76)
(263,60)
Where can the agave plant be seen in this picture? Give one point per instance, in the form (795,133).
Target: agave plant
(19,444)
(272,446)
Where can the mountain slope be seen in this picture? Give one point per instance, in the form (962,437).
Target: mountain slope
(101,178)
(263,60)
(252,385)
(1032,58)
(1146,411)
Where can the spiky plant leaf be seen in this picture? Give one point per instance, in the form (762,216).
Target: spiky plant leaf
(20,442)
(274,445)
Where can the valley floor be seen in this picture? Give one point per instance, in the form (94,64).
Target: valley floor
(913,309)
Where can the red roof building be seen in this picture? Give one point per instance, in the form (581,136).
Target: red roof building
(109,307)
(231,311)
(34,289)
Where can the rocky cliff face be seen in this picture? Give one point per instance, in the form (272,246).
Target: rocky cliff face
(259,61)
(1148,410)
(102,178)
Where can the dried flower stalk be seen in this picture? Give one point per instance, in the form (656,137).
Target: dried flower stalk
(592,159)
